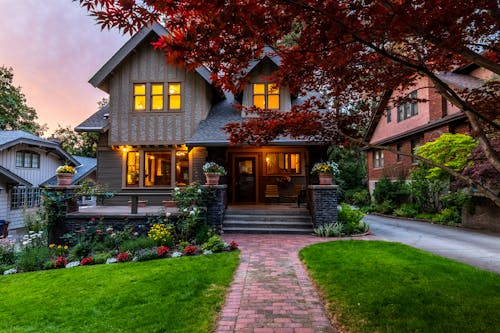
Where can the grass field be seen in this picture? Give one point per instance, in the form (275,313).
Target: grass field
(374,286)
(170,295)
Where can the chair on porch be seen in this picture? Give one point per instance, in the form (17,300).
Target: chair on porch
(272,192)
(298,194)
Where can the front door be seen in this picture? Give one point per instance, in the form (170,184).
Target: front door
(245,179)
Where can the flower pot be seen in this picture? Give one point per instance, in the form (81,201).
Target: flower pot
(212,178)
(325,178)
(64,178)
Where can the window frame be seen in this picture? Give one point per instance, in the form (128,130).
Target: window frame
(286,161)
(162,96)
(171,94)
(136,95)
(21,156)
(25,197)
(399,157)
(378,159)
(266,94)
(408,109)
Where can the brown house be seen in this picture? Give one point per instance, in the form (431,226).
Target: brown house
(404,126)
(163,123)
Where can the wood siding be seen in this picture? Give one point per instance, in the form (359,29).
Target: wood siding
(129,127)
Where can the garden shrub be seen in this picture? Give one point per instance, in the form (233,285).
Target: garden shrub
(388,190)
(350,219)
(32,258)
(100,258)
(386,207)
(448,216)
(406,210)
(80,251)
(7,254)
(161,234)
(214,244)
(358,197)
(329,230)
(146,254)
(133,245)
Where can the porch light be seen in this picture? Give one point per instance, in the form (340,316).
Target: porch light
(124,149)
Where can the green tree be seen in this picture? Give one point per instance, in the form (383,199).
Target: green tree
(450,150)
(81,144)
(15,114)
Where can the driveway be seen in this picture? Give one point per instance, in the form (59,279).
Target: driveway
(474,248)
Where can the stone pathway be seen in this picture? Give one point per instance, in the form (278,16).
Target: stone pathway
(271,292)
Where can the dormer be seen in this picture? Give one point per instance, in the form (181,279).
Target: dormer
(260,90)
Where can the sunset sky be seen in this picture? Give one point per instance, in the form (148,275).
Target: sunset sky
(54,48)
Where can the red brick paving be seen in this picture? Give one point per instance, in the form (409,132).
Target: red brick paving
(271,292)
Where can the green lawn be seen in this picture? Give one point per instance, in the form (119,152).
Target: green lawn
(375,286)
(171,295)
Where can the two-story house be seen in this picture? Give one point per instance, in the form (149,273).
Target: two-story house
(27,163)
(164,122)
(403,126)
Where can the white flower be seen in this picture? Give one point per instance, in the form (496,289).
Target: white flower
(192,213)
(176,189)
(185,209)
(111,261)
(26,243)
(31,232)
(72,264)
(26,237)
(10,271)
(199,190)
(207,252)
(168,214)
(176,254)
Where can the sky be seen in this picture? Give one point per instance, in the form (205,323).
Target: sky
(54,48)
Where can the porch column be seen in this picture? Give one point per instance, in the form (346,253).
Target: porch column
(216,206)
(323,204)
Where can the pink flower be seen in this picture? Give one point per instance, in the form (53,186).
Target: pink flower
(109,230)
(113,235)
(136,234)
(99,231)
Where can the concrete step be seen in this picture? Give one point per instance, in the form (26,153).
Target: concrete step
(267,224)
(253,230)
(269,212)
(268,218)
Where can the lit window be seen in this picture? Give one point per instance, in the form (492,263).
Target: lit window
(378,159)
(279,163)
(27,159)
(133,168)
(266,96)
(140,96)
(174,96)
(157,171)
(157,96)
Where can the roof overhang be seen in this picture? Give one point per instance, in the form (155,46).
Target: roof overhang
(13,178)
(41,144)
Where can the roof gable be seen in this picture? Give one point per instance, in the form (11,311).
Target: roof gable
(99,78)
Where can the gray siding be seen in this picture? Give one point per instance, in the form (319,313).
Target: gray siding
(129,127)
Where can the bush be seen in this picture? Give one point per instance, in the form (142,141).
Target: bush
(214,244)
(350,219)
(162,251)
(146,254)
(386,207)
(123,257)
(133,245)
(189,250)
(80,251)
(388,190)
(101,258)
(448,216)
(360,197)
(32,258)
(161,234)
(406,210)
(7,254)
(329,230)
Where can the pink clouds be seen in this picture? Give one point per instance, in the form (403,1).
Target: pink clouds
(54,48)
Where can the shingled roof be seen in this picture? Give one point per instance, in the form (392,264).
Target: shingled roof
(97,122)
(86,167)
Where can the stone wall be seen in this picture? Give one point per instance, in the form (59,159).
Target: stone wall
(216,206)
(323,204)
(484,216)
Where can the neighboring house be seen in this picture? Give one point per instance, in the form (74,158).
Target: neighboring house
(26,162)
(405,126)
(163,123)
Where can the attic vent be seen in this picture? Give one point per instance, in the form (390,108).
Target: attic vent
(106,116)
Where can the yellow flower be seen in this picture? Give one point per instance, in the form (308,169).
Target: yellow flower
(52,246)
(59,246)
(65,247)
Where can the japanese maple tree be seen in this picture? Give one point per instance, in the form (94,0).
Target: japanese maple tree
(350,51)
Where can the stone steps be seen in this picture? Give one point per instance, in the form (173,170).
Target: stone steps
(267,221)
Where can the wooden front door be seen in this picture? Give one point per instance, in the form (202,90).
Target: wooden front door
(245,179)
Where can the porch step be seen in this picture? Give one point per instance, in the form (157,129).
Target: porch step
(266,221)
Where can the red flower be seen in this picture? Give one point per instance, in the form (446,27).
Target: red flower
(123,257)
(190,250)
(233,245)
(61,262)
(162,251)
(86,261)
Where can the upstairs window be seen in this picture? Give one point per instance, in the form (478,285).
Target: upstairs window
(266,96)
(409,108)
(27,159)
(140,96)
(389,114)
(378,159)
(157,96)
(174,96)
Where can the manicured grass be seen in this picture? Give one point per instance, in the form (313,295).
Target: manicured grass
(170,295)
(374,286)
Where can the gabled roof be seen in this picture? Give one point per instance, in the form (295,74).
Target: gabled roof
(100,77)
(210,131)
(269,53)
(13,178)
(11,138)
(86,167)
(97,122)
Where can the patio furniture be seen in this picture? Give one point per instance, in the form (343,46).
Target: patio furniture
(298,195)
(272,192)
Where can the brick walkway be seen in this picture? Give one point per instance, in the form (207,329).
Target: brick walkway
(271,292)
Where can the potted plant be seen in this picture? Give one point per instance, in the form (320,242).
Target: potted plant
(213,171)
(64,174)
(325,171)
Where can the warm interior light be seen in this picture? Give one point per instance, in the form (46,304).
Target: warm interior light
(124,149)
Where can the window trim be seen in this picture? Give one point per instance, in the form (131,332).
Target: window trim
(266,94)
(287,172)
(162,95)
(408,109)
(169,95)
(399,157)
(25,197)
(23,159)
(378,159)
(134,96)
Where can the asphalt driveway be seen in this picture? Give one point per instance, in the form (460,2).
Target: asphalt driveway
(474,248)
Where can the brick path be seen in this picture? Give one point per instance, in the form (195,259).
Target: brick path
(271,292)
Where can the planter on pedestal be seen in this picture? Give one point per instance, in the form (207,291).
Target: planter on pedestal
(212,178)
(325,178)
(64,178)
